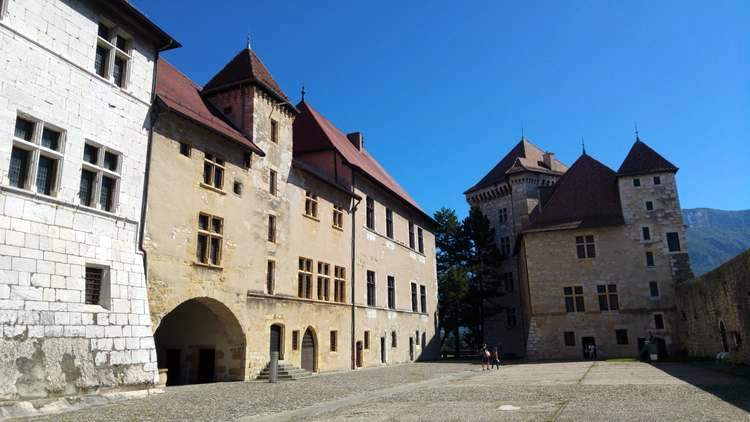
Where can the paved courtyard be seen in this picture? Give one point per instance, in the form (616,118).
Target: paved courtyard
(456,391)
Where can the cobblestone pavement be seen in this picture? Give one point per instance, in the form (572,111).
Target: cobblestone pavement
(454,391)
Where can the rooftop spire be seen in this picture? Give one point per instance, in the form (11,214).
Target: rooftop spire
(583,146)
(248,42)
(522,130)
(637,135)
(303,91)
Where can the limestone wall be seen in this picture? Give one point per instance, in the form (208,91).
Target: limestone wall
(719,298)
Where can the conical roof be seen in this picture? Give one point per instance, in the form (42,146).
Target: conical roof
(642,159)
(246,66)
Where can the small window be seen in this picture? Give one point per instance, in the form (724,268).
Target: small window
(389,223)
(112,55)
(411,235)
(659,321)
(334,340)
(36,157)
(295,340)
(394,339)
(391,292)
(657,180)
(423,298)
(673,241)
(272,182)
(502,216)
(367,340)
(574,299)
(338,217)
(414,297)
(270,276)
(311,204)
(649,205)
(608,300)
(370,288)
(645,233)
(637,182)
(100,177)
(247,160)
(185,149)
(304,278)
(324,281)
(213,171)
(585,247)
(650,259)
(653,288)
(237,187)
(274,131)
(420,239)
(569,338)
(505,246)
(621,336)
(339,284)
(370,213)
(210,239)
(97,286)
(272,228)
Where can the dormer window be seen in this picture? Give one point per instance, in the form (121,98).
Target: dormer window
(112,57)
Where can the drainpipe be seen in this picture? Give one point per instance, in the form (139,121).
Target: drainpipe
(354,263)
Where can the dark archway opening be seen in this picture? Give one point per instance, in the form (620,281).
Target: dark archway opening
(277,340)
(200,341)
(309,351)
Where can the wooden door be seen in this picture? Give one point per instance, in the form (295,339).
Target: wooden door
(308,351)
(275,341)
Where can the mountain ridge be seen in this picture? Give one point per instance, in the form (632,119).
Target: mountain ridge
(715,236)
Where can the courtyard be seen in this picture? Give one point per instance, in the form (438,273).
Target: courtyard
(604,390)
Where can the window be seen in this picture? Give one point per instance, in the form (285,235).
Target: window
(653,288)
(650,259)
(112,58)
(505,246)
(391,292)
(295,340)
(673,241)
(645,233)
(414,297)
(416,337)
(237,188)
(210,238)
(657,180)
(574,299)
(367,340)
(621,336)
(370,288)
(394,339)
(370,213)
(338,217)
(423,298)
(608,300)
(502,216)
(324,281)
(311,204)
(304,278)
(637,182)
(507,279)
(100,177)
(389,223)
(649,205)
(585,247)
(36,156)
(510,314)
(339,284)
(97,288)
(274,131)
(272,182)
(411,235)
(213,171)
(659,321)
(420,239)
(272,228)
(569,338)
(270,276)
(185,149)
(424,339)
(334,340)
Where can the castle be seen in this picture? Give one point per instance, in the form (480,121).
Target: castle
(591,255)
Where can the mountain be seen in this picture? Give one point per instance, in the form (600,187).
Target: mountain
(715,236)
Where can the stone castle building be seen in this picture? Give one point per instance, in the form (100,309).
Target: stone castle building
(596,254)
(269,229)
(75,92)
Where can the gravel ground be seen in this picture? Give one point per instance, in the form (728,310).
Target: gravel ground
(455,391)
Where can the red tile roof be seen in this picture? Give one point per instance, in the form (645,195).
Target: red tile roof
(246,66)
(313,132)
(585,196)
(178,93)
(643,160)
(525,156)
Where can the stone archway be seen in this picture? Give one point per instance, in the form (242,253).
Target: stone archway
(309,349)
(201,341)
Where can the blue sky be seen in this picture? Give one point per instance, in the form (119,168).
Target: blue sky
(441,89)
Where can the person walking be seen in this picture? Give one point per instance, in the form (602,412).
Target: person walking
(484,351)
(496,359)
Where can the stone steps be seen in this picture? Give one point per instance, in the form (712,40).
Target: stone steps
(287,372)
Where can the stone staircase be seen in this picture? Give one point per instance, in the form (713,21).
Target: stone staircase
(287,372)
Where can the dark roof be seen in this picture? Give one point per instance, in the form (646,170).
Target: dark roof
(525,156)
(313,133)
(246,67)
(179,94)
(643,160)
(125,9)
(585,196)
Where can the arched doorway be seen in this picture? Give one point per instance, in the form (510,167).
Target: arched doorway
(309,351)
(200,341)
(723,332)
(277,340)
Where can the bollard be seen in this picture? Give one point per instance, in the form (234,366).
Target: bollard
(273,367)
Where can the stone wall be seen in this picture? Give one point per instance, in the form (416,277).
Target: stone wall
(717,299)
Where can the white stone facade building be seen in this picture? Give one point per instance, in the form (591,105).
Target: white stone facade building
(76,81)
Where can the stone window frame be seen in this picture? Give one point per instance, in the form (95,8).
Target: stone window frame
(608,296)
(334,341)
(657,180)
(295,340)
(371,288)
(389,223)
(103,286)
(273,187)
(324,281)
(423,298)
(35,149)
(338,217)
(505,246)
(272,228)
(574,299)
(394,339)
(270,276)
(370,213)
(653,286)
(676,238)
(339,284)
(366,342)
(646,234)
(274,131)
(212,231)
(101,171)
(110,43)
(420,240)
(621,337)
(311,205)
(636,182)
(502,216)
(414,297)
(416,337)
(585,246)
(569,335)
(237,187)
(654,319)
(213,165)
(646,204)
(185,149)
(650,259)
(412,242)
(304,278)
(391,292)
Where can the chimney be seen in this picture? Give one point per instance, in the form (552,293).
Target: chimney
(547,159)
(357,139)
